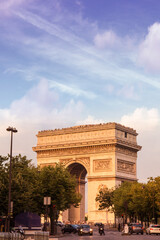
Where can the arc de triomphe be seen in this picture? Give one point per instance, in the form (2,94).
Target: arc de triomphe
(105,153)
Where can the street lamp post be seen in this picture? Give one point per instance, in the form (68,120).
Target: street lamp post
(12,130)
(47,202)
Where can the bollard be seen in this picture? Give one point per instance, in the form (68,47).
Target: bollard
(10,236)
(5,235)
(41,236)
(1,235)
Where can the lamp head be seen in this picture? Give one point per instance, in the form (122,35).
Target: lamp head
(11,129)
(14,130)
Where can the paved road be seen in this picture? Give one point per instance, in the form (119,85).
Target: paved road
(109,235)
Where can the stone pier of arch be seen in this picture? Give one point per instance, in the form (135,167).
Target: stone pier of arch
(105,153)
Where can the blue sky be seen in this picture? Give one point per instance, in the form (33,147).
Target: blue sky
(71,62)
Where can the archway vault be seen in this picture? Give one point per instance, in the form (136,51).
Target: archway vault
(79,171)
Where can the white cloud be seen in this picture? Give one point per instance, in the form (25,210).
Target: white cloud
(149,49)
(142,119)
(147,123)
(38,110)
(110,40)
(106,39)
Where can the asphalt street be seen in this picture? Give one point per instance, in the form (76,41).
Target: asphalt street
(109,235)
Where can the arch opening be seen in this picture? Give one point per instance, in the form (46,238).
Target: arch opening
(77,215)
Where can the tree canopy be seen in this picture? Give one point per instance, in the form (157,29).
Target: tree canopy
(23,182)
(133,200)
(30,185)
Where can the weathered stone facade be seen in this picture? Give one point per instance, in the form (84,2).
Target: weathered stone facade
(107,153)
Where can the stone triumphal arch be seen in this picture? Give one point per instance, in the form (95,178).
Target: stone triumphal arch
(105,153)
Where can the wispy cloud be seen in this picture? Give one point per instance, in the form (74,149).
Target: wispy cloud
(77,52)
(77,56)
(71,90)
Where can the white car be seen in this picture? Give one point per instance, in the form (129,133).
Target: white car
(153,229)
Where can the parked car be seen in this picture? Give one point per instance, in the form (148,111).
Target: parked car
(153,229)
(70,228)
(135,228)
(85,229)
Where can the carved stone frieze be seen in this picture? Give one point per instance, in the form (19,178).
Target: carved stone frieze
(85,161)
(126,151)
(102,165)
(66,161)
(126,167)
(76,150)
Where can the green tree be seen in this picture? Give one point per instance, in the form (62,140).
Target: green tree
(122,198)
(3,186)
(30,185)
(57,183)
(157,193)
(152,192)
(105,198)
(134,200)
(125,200)
(23,182)
(138,201)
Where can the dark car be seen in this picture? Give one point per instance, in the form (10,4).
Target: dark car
(98,224)
(135,228)
(85,229)
(70,228)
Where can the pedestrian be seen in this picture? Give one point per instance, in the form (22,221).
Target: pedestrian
(119,227)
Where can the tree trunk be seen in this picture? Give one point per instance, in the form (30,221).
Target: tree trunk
(53,221)
(53,227)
